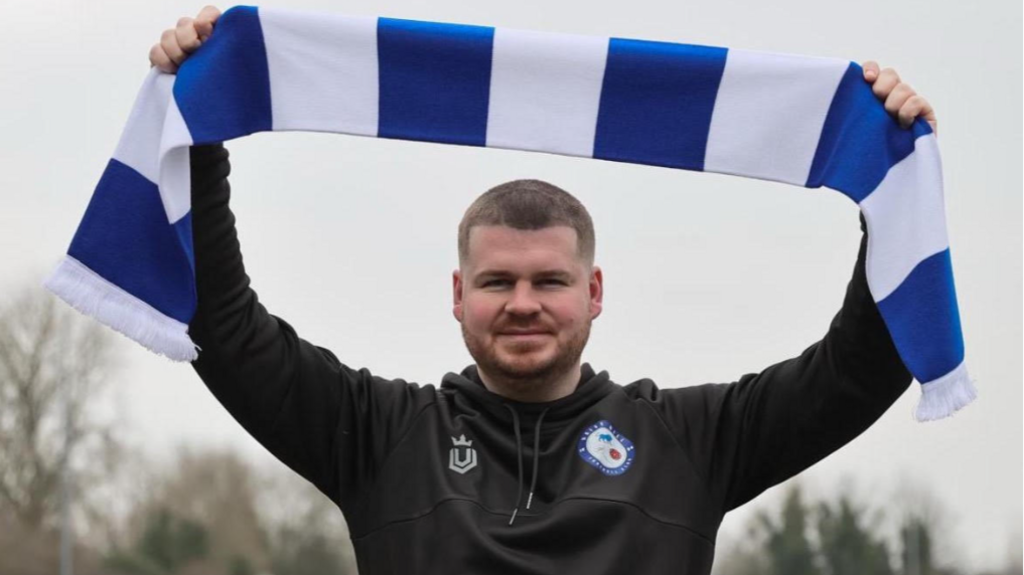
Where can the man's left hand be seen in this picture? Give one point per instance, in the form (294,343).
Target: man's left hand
(900,99)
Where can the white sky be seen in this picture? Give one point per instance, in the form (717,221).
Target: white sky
(708,277)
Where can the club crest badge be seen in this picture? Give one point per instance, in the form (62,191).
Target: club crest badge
(606,449)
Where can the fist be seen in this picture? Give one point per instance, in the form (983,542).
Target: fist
(900,99)
(177,43)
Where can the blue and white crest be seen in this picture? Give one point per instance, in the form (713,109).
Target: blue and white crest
(606,449)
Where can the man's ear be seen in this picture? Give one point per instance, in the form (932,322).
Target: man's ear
(457,295)
(596,292)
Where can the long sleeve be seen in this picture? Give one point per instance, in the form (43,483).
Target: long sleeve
(747,436)
(331,424)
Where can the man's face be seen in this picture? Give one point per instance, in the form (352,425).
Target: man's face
(525,301)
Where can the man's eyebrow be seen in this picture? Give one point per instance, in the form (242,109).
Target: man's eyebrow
(555,273)
(492,273)
(562,274)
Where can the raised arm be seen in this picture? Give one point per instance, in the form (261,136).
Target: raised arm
(284,391)
(749,435)
(331,424)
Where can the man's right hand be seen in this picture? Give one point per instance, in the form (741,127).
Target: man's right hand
(176,44)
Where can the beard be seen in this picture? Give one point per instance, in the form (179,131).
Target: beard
(524,373)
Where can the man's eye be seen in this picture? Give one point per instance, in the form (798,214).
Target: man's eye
(553,281)
(495,283)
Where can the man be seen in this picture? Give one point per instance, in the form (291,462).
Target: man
(528,461)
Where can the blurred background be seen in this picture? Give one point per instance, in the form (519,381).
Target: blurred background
(122,462)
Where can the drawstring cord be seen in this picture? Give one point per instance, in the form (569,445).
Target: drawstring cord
(519,455)
(536,457)
(519,452)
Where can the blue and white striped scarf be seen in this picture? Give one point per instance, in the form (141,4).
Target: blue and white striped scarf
(805,121)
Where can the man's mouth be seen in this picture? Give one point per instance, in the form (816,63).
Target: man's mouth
(524,335)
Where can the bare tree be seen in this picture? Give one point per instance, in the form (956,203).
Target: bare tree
(54,363)
(926,531)
(217,488)
(208,510)
(27,552)
(199,515)
(306,530)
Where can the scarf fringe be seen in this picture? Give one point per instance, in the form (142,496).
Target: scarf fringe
(945,396)
(96,297)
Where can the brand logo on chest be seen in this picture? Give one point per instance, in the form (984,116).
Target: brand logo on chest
(606,449)
(462,456)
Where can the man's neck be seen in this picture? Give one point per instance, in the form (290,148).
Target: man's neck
(542,391)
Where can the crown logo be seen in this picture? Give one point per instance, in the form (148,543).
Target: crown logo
(464,461)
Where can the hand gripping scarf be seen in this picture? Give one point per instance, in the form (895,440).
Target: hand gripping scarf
(805,121)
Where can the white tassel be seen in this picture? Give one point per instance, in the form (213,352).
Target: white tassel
(944,396)
(96,297)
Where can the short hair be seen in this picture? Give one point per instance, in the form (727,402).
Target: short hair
(529,205)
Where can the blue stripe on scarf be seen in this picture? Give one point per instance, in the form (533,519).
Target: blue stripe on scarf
(183,229)
(121,239)
(224,92)
(435,81)
(656,102)
(922,314)
(860,141)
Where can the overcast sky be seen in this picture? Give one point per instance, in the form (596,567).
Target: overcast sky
(708,277)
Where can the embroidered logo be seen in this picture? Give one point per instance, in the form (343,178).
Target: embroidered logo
(464,462)
(606,449)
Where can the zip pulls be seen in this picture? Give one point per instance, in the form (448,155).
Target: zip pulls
(519,455)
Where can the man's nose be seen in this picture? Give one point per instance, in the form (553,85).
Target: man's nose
(523,300)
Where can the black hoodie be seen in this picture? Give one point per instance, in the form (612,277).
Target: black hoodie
(456,479)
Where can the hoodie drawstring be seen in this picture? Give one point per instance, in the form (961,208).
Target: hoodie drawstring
(536,457)
(519,454)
